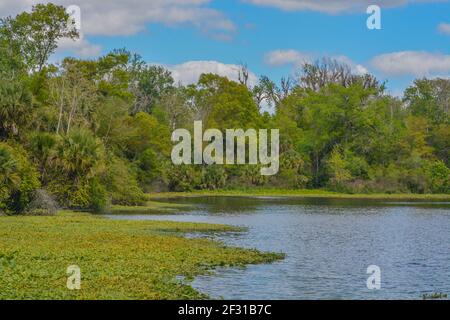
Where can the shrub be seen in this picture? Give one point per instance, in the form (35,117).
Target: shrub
(42,147)
(98,197)
(18,178)
(121,183)
(337,170)
(81,154)
(79,165)
(213,177)
(83,194)
(293,173)
(149,168)
(183,178)
(438,175)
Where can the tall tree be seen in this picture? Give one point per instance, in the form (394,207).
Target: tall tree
(73,95)
(35,35)
(15,106)
(430,98)
(315,76)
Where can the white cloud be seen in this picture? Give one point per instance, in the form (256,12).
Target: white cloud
(415,63)
(124,18)
(189,72)
(280,58)
(331,7)
(81,47)
(444,28)
(356,68)
(296,59)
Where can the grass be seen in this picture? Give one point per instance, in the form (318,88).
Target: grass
(151,207)
(304,193)
(118,259)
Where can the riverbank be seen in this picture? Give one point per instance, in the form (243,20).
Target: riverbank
(304,193)
(150,207)
(117,259)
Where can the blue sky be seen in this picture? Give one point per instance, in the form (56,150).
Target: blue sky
(271,36)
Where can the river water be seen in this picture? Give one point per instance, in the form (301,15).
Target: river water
(329,244)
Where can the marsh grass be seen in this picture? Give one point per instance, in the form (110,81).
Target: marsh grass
(151,207)
(118,259)
(301,193)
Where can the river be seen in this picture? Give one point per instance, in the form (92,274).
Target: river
(329,244)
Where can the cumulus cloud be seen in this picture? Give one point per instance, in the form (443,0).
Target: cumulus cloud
(444,28)
(356,68)
(279,58)
(124,18)
(415,63)
(331,7)
(81,47)
(189,72)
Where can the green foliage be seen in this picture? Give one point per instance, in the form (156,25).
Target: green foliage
(7,261)
(18,178)
(148,133)
(42,146)
(98,131)
(79,162)
(97,196)
(337,169)
(183,178)
(430,99)
(110,268)
(81,154)
(224,104)
(439,175)
(434,296)
(121,183)
(15,106)
(34,35)
(150,168)
(153,82)
(293,172)
(213,177)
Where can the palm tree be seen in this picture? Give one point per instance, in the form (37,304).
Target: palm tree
(9,179)
(43,148)
(14,102)
(81,154)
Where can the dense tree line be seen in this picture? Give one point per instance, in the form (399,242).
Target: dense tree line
(95,132)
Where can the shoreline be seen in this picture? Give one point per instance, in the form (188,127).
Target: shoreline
(40,249)
(301,194)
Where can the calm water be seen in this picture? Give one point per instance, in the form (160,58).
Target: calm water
(328,244)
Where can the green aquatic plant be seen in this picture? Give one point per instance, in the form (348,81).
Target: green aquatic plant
(7,261)
(434,296)
(117,259)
